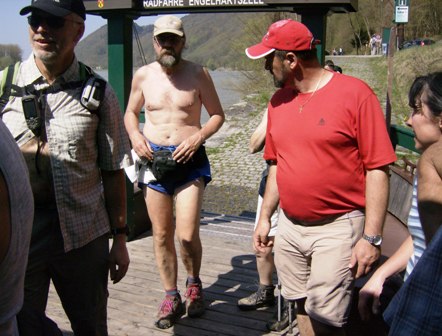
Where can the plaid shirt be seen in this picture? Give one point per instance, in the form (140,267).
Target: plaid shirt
(81,143)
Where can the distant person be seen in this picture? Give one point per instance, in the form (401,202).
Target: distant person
(329,152)
(373,45)
(172,91)
(330,65)
(341,51)
(75,151)
(16,213)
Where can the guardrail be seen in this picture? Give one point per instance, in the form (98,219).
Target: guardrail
(402,136)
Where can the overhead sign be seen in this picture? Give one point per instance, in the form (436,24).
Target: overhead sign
(197,3)
(401,11)
(144,6)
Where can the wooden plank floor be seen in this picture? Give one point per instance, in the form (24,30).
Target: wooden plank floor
(228,273)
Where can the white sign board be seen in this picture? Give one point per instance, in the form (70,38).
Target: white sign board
(401,15)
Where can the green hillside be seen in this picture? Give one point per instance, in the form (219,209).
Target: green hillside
(212,40)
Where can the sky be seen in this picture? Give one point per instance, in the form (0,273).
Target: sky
(14,27)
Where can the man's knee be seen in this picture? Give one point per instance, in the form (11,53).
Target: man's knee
(191,245)
(163,238)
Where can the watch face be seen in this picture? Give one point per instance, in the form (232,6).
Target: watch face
(377,240)
(373,240)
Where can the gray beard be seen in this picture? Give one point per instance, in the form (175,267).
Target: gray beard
(168,61)
(45,56)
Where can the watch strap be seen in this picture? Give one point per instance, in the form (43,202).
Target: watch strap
(373,240)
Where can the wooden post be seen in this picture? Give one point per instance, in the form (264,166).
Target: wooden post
(120,73)
(390,55)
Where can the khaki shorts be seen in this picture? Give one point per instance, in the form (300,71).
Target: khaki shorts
(312,263)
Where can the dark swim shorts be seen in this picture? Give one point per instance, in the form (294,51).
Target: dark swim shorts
(201,170)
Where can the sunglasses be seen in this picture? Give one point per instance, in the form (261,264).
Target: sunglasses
(167,38)
(53,22)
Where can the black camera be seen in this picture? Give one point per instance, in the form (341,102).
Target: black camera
(32,111)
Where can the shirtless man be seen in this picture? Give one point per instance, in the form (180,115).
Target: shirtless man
(172,91)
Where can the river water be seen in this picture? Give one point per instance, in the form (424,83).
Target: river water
(226,83)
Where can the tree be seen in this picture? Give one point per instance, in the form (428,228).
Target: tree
(9,54)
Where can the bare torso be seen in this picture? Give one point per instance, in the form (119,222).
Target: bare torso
(172,102)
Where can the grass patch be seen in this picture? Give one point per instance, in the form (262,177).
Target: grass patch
(409,64)
(213,151)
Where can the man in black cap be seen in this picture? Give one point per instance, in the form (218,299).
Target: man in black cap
(75,148)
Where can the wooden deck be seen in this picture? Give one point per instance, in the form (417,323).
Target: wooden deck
(228,273)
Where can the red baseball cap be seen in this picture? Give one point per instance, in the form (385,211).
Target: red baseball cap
(283,35)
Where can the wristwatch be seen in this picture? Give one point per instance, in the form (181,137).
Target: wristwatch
(122,230)
(373,240)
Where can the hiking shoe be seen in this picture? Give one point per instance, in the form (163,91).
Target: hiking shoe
(263,297)
(169,312)
(274,325)
(194,300)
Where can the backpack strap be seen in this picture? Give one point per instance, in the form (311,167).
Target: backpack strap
(85,71)
(8,80)
(8,87)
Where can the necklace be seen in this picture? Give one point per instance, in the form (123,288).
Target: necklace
(301,106)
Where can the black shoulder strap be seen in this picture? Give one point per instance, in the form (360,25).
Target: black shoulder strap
(6,86)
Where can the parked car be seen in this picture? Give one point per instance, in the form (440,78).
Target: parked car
(416,42)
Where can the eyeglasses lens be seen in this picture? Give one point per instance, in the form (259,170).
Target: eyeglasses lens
(164,38)
(53,22)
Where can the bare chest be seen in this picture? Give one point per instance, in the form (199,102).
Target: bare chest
(170,98)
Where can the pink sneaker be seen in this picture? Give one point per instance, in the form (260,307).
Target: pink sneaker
(194,300)
(171,309)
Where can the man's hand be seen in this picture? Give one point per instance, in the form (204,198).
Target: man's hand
(363,256)
(261,240)
(118,259)
(141,146)
(187,148)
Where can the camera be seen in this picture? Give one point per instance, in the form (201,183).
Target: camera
(32,112)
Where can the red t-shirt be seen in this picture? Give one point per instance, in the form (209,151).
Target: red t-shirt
(322,153)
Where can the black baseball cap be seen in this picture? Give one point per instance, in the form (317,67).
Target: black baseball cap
(57,7)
